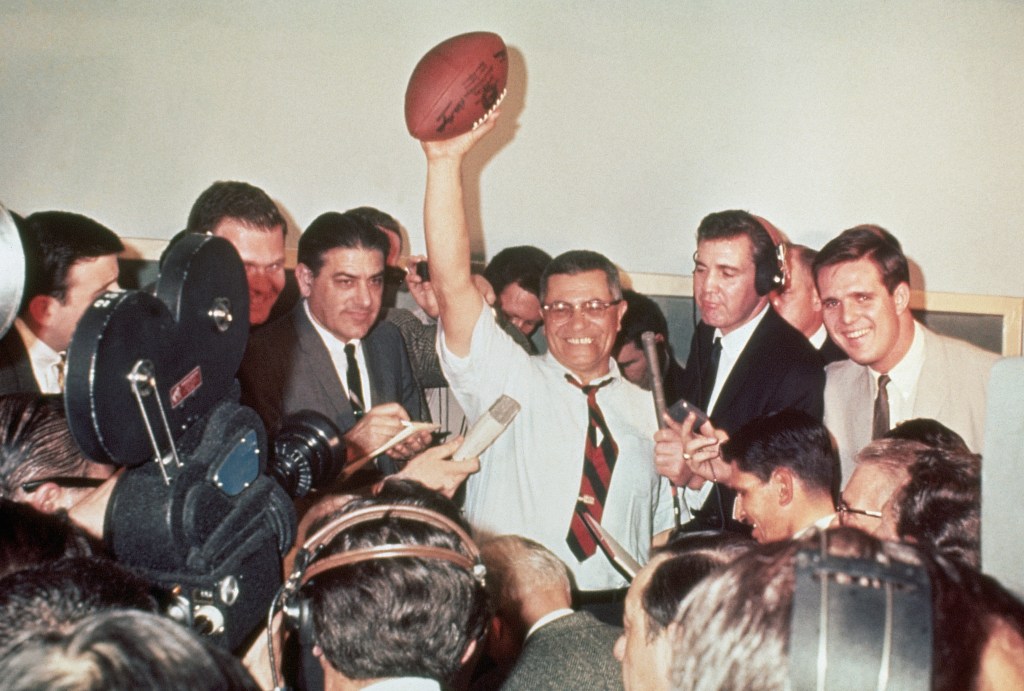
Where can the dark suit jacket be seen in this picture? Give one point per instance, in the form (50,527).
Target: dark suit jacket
(778,369)
(287,368)
(574,652)
(15,369)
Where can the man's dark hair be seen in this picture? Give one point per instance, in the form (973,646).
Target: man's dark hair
(581,261)
(29,537)
(122,649)
(787,439)
(35,441)
(867,242)
(399,617)
(238,200)
(689,559)
(333,230)
(725,225)
(940,505)
(725,642)
(54,596)
(377,218)
(59,239)
(523,264)
(929,432)
(642,314)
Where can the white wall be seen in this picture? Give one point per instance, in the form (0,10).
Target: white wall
(626,121)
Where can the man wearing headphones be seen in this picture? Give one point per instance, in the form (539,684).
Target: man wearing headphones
(745,360)
(393,595)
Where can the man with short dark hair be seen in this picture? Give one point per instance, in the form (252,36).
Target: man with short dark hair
(898,369)
(330,354)
(799,304)
(745,360)
(515,273)
(643,314)
(783,474)
(400,623)
(70,261)
(249,219)
(583,438)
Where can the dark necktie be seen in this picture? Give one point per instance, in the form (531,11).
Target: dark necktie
(355,382)
(880,422)
(598,462)
(710,373)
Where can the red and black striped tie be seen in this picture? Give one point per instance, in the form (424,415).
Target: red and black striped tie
(598,461)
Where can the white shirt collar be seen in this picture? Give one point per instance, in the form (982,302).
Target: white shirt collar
(733,344)
(903,379)
(817,338)
(547,619)
(44,360)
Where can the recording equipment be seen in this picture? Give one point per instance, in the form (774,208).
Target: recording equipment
(771,271)
(620,558)
(308,453)
(859,623)
(295,607)
(657,382)
(423,271)
(151,386)
(487,428)
(682,408)
(12,278)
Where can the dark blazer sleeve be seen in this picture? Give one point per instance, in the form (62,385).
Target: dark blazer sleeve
(15,369)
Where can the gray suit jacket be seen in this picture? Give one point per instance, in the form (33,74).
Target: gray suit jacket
(574,652)
(15,369)
(287,368)
(951,389)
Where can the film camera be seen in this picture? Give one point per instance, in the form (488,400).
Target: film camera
(203,507)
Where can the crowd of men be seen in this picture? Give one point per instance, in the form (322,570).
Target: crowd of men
(828,432)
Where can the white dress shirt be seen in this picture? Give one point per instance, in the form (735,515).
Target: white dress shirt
(46,362)
(336,347)
(733,344)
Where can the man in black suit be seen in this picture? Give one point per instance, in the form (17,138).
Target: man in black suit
(70,261)
(745,360)
(330,354)
(799,304)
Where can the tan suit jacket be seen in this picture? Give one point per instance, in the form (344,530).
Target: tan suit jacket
(951,389)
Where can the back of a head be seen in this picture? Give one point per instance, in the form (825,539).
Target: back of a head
(642,314)
(121,650)
(35,441)
(241,201)
(867,242)
(791,439)
(726,641)
(518,568)
(929,432)
(61,238)
(940,504)
(405,616)
(29,537)
(582,261)
(522,264)
(56,596)
(333,230)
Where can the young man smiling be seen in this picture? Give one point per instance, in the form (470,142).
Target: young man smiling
(897,369)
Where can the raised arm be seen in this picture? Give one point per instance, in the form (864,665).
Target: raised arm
(444,220)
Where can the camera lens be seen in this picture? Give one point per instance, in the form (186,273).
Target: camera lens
(308,453)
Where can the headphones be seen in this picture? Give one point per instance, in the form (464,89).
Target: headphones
(291,605)
(772,272)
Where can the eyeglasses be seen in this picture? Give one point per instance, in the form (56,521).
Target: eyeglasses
(563,311)
(843,508)
(68,482)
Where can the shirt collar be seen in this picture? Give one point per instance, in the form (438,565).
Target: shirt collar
(613,369)
(905,374)
(547,619)
(817,339)
(329,339)
(735,341)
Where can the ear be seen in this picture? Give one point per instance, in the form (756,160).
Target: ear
(902,297)
(41,309)
(47,499)
(782,482)
(304,277)
(815,300)
(622,307)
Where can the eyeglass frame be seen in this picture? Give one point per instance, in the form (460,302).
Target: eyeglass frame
(842,507)
(593,309)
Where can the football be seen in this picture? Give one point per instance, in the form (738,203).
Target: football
(456,85)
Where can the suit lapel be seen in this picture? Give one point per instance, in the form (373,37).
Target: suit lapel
(318,368)
(744,366)
(932,384)
(379,372)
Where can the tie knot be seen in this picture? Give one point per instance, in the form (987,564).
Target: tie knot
(883,380)
(350,349)
(587,389)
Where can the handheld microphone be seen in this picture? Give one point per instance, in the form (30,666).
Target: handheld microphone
(657,383)
(488,428)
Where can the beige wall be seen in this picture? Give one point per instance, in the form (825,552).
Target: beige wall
(626,122)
